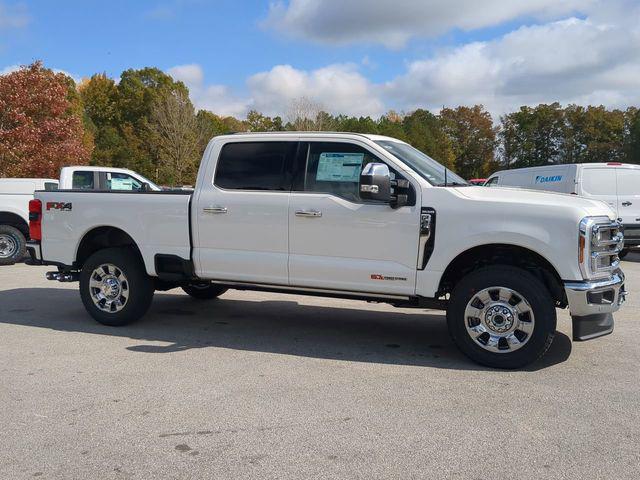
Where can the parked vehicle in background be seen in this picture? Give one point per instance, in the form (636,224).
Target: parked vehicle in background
(103,178)
(15,194)
(344,215)
(617,184)
(477,181)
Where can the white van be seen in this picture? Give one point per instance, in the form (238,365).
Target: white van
(617,184)
(15,194)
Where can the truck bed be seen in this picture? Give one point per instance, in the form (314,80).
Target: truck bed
(157,221)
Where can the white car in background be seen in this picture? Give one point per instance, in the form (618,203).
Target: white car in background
(15,194)
(104,178)
(617,184)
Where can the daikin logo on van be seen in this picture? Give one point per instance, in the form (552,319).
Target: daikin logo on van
(552,178)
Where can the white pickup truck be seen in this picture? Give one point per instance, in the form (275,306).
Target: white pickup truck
(15,194)
(345,215)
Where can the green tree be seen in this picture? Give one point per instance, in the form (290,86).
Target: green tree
(424,131)
(473,139)
(533,136)
(632,135)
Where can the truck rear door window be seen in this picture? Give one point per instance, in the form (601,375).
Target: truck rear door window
(255,166)
(82,180)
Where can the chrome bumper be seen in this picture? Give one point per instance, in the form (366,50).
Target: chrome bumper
(598,296)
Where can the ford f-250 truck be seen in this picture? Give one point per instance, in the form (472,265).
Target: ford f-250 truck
(344,215)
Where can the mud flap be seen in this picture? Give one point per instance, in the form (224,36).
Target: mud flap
(592,326)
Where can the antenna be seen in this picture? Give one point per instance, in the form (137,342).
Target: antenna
(445,175)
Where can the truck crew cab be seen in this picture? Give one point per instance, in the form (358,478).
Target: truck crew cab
(345,215)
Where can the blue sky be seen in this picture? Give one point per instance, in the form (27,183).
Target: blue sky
(355,57)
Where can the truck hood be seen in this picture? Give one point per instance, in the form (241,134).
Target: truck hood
(535,197)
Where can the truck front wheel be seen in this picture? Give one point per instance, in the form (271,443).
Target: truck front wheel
(502,317)
(114,286)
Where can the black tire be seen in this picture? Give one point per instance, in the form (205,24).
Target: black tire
(204,290)
(14,243)
(139,286)
(623,253)
(528,286)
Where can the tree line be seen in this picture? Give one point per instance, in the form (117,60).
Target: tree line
(146,122)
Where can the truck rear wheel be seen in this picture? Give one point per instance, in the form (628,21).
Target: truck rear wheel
(12,245)
(502,317)
(204,290)
(114,286)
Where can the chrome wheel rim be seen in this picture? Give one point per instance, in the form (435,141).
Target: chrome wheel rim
(8,246)
(499,319)
(109,288)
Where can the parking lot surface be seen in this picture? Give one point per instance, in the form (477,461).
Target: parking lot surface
(257,385)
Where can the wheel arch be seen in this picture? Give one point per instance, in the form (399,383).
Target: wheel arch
(15,220)
(503,254)
(99,238)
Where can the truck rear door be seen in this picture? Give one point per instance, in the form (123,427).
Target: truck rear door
(241,213)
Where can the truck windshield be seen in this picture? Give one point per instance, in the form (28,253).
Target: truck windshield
(422,164)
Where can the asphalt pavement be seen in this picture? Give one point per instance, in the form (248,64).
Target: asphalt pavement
(266,386)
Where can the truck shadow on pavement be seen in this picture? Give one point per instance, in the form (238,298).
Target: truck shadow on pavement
(402,337)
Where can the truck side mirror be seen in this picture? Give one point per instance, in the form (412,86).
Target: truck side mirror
(375,183)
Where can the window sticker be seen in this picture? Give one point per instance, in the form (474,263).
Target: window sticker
(339,167)
(121,184)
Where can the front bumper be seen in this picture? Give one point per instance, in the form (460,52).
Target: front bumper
(592,304)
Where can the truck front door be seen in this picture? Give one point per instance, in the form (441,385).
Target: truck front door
(337,240)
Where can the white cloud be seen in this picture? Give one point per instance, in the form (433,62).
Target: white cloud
(394,22)
(217,98)
(592,60)
(13,16)
(338,88)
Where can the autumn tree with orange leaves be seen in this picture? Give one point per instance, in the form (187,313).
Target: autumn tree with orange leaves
(41,126)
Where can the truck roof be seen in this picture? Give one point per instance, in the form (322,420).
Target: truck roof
(289,134)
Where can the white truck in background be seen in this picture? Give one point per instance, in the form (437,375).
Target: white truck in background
(103,178)
(344,215)
(15,194)
(615,183)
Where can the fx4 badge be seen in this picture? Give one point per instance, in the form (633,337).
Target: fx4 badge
(375,276)
(65,207)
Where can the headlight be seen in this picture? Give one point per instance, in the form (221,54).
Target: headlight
(599,242)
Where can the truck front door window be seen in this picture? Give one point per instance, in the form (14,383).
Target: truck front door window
(335,168)
(122,181)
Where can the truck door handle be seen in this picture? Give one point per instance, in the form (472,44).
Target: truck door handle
(308,213)
(215,209)
(626,204)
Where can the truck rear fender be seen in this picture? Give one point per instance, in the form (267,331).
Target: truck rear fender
(99,238)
